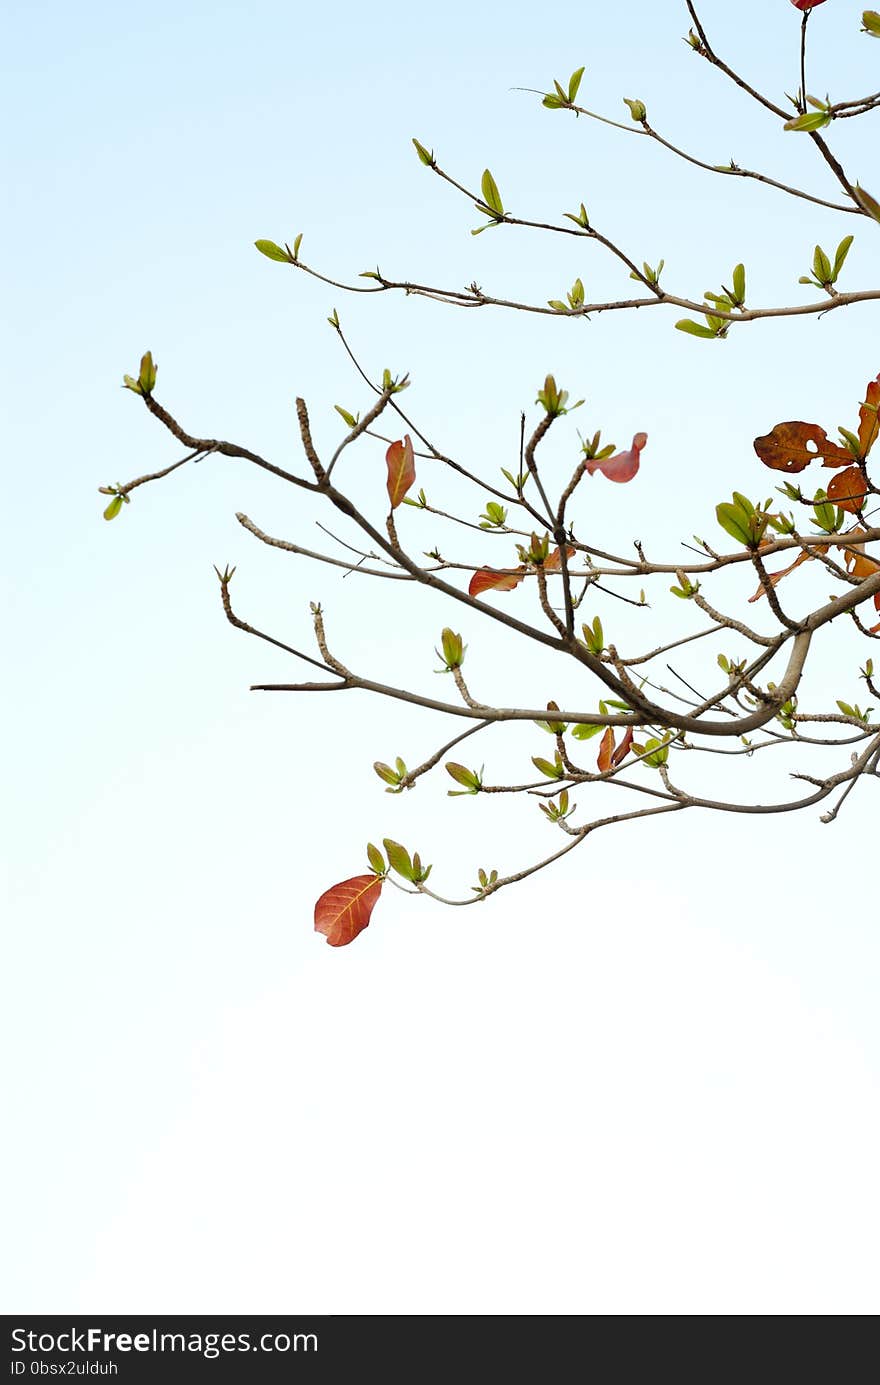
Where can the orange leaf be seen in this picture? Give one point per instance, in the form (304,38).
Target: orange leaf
(858,563)
(785,447)
(868,422)
(344,910)
(775,577)
(487,579)
(606,751)
(401,469)
(555,559)
(847,490)
(623,749)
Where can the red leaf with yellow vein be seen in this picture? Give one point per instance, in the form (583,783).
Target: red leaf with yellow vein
(623,749)
(487,579)
(555,559)
(606,751)
(868,423)
(847,490)
(792,446)
(401,469)
(344,910)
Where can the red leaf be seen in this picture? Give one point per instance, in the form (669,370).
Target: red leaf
(785,448)
(344,910)
(606,751)
(487,579)
(401,469)
(847,490)
(555,559)
(807,4)
(623,749)
(868,422)
(623,465)
(803,557)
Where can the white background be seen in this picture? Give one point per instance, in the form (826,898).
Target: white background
(645,1081)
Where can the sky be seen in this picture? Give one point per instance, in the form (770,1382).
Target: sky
(644,1081)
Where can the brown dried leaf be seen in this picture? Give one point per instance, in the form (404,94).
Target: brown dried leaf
(792,446)
(847,490)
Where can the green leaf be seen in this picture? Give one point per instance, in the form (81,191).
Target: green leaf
(594,636)
(147,375)
(733,521)
(376,859)
(468,778)
(491,195)
(739,283)
(398,858)
(272,251)
(574,82)
(386,773)
(841,254)
(553,103)
(812,120)
(695,329)
(867,202)
(296,244)
(131,384)
(346,416)
(660,752)
(581,219)
(584,731)
(453,648)
(636,109)
(114,507)
(744,503)
(821,265)
(426,158)
(554,771)
(871,23)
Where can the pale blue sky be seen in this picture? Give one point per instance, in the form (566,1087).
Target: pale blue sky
(623,1088)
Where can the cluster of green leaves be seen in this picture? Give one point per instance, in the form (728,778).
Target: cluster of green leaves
(555,400)
(283,254)
(825,270)
(494,516)
(399,860)
(747,523)
(654,752)
(558,812)
(146,380)
(471,780)
(594,636)
(854,711)
(485,881)
(562,97)
(650,273)
(393,777)
(575,299)
(727,301)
